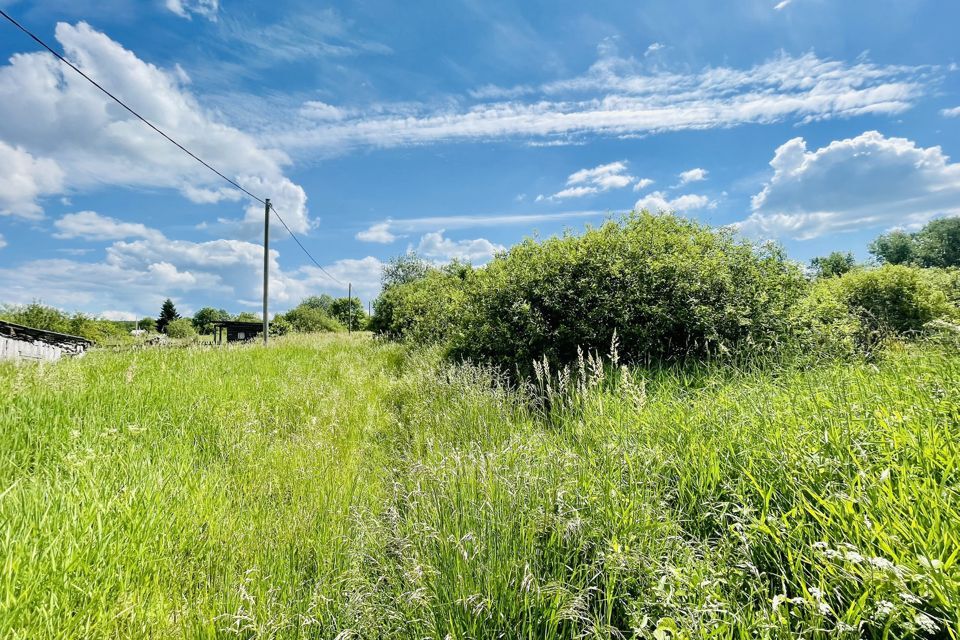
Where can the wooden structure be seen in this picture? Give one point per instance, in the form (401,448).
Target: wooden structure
(236,331)
(18,342)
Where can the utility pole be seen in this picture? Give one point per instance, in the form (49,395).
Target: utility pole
(350,307)
(266,268)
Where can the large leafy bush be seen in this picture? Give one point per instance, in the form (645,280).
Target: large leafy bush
(666,286)
(860,309)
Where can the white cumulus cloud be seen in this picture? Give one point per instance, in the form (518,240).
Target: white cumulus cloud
(23,179)
(60,134)
(587,182)
(658,201)
(953,112)
(438,247)
(379,232)
(863,182)
(693,175)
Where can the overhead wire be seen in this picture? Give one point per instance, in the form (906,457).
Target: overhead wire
(59,57)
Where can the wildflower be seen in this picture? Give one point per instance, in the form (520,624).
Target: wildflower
(882,564)
(884,608)
(853,556)
(926,623)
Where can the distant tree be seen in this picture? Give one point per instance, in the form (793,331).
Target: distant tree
(835,264)
(248,316)
(404,269)
(148,324)
(896,247)
(203,320)
(323,302)
(168,313)
(304,319)
(349,311)
(181,328)
(938,243)
(39,316)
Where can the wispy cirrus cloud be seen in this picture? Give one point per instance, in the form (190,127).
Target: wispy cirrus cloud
(397,226)
(187,8)
(621,96)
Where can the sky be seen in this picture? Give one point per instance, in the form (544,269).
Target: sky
(452,129)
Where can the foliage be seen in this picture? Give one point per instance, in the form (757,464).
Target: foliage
(323,302)
(349,312)
(330,486)
(280,326)
(310,319)
(40,316)
(181,328)
(248,316)
(835,264)
(938,243)
(148,324)
(204,318)
(403,269)
(935,245)
(859,309)
(168,313)
(896,247)
(668,287)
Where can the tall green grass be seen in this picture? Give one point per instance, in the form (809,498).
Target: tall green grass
(334,486)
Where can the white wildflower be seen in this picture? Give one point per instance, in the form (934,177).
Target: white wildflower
(926,623)
(884,608)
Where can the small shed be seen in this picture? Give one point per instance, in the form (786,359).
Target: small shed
(236,331)
(18,342)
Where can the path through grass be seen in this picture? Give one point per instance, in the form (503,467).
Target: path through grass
(331,485)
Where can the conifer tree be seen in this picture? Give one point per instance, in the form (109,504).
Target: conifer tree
(168,313)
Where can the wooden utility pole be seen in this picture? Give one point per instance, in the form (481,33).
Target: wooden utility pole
(349,307)
(266,268)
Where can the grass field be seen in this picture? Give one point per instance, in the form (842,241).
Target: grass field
(334,486)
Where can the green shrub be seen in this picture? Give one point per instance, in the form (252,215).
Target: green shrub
(666,286)
(861,308)
(427,309)
(280,326)
(181,328)
(309,319)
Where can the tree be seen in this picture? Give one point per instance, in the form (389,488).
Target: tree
(835,264)
(403,269)
(203,320)
(938,243)
(305,319)
(349,311)
(168,313)
(181,328)
(148,324)
(323,302)
(896,247)
(248,316)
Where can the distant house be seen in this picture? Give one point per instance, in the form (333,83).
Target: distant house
(18,342)
(138,332)
(236,331)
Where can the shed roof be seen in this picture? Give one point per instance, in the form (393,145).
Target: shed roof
(239,324)
(20,332)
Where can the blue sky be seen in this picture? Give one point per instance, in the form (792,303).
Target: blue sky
(455,129)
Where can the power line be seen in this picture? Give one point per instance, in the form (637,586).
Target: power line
(319,266)
(162,133)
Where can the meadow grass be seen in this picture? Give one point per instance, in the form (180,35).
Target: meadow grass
(333,486)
